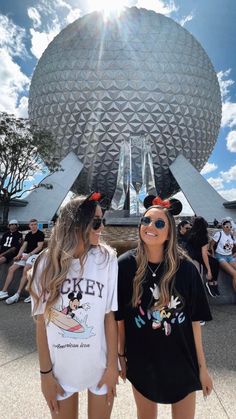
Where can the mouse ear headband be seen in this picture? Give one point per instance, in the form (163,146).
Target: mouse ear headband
(173,205)
(93,197)
(86,209)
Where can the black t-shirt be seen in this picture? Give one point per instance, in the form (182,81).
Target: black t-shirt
(33,240)
(194,247)
(161,356)
(9,240)
(182,240)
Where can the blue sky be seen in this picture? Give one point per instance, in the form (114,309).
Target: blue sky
(27,26)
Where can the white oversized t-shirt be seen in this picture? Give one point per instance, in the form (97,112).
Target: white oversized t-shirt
(75,333)
(226,243)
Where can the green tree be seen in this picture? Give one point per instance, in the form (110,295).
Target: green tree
(25,149)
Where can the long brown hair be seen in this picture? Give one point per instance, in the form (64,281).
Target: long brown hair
(172,256)
(71,230)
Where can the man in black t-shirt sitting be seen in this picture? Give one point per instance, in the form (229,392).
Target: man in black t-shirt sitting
(31,247)
(10,243)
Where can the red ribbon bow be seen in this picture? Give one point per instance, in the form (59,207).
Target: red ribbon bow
(159,201)
(96,196)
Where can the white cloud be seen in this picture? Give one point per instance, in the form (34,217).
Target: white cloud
(48,15)
(12,37)
(225,84)
(217,183)
(228,114)
(13,82)
(22,108)
(186,19)
(228,121)
(73,15)
(230,175)
(231,141)
(228,107)
(209,167)
(159,6)
(34,16)
(62,3)
(40,40)
(229,194)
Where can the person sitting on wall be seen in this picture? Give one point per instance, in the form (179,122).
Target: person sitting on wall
(222,247)
(183,229)
(10,243)
(31,247)
(215,223)
(197,248)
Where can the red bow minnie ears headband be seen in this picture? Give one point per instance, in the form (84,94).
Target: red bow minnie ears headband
(173,205)
(91,200)
(94,196)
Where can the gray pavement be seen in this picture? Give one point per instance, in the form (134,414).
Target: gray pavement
(20,396)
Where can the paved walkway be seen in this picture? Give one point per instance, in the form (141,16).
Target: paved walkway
(20,396)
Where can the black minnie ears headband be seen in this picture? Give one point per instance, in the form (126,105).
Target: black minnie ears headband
(173,205)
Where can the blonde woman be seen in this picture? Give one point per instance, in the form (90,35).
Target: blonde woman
(74,295)
(161,300)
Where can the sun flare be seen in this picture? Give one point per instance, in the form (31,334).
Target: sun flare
(108,7)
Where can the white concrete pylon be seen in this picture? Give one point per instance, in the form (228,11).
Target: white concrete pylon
(43,203)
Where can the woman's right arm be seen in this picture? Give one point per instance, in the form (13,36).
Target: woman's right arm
(212,247)
(205,378)
(121,348)
(49,385)
(206,261)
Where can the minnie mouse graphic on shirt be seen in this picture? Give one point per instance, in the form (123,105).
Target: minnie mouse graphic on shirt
(163,318)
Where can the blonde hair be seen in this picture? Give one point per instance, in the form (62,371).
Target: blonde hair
(172,256)
(71,230)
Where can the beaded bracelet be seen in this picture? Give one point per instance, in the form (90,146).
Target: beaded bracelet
(46,372)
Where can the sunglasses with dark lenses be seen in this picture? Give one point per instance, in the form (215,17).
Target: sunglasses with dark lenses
(159,223)
(97,222)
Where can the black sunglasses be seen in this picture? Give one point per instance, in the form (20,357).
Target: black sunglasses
(97,222)
(159,223)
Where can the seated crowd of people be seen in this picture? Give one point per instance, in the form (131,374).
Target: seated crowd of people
(22,252)
(208,255)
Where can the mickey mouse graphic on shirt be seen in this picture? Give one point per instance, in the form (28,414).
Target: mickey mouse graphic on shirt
(74,304)
(67,320)
(228,246)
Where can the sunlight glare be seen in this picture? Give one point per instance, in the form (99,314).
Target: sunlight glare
(108,7)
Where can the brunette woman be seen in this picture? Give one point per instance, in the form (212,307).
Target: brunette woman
(74,292)
(198,248)
(161,301)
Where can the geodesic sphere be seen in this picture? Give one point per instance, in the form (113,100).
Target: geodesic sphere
(98,83)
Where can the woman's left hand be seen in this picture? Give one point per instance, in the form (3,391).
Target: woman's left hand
(110,378)
(209,275)
(206,382)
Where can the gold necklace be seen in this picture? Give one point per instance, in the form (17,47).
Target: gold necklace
(154,273)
